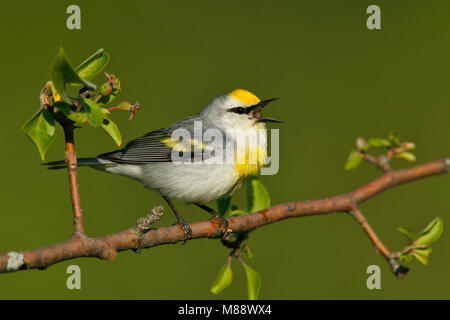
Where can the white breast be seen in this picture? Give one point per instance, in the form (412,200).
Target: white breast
(190,182)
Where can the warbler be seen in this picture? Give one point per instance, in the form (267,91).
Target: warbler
(192,169)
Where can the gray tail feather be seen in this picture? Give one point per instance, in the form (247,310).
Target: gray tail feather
(83,162)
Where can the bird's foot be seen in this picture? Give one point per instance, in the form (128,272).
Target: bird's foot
(186,230)
(223,224)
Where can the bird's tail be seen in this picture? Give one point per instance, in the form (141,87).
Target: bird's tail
(83,162)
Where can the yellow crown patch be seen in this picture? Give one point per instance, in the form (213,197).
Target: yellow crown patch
(244,96)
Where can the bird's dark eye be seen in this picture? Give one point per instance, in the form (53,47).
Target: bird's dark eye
(238,110)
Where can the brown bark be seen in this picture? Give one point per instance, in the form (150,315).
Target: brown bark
(72,165)
(107,247)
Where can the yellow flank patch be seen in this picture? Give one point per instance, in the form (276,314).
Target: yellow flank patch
(249,161)
(173,144)
(177,145)
(244,96)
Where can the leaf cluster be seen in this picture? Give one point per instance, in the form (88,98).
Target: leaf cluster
(88,106)
(391,145)
(419,244)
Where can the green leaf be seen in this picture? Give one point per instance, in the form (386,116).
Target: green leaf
(223,205)
(420,258)
(409,156)
(113,131)
(93,65)
(431,233)
(253,282)
(422,254)
(95,113)
(63,73)
(257,195)
(379,142)
(41,130)
(432,224)
(408,233)
(354,160)
(405,256)
(78,117)
(223,280)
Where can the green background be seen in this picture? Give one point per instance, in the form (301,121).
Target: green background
(336,79)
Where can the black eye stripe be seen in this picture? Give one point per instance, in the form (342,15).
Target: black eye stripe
(239,110)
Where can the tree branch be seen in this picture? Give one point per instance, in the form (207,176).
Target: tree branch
(107,247)
(70,157)
(391,257)
(71,161)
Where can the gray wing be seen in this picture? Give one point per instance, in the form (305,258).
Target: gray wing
(150,147)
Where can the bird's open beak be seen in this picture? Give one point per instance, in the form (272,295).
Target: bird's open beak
(256,111)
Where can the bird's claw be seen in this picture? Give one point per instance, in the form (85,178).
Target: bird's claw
(186,230)
(223,224)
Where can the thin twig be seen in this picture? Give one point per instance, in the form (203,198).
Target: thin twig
(72,168)
(357,214)
(391,258)
(383,161)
